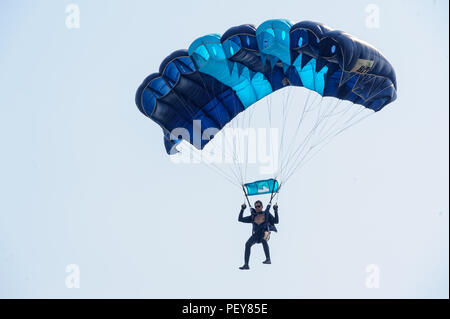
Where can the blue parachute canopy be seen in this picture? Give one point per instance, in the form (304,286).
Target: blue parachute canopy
(267,186)
(206,86)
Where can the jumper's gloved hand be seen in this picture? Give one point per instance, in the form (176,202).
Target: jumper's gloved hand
(275,207)
(243,206)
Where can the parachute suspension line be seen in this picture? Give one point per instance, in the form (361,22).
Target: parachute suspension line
(301,164)
(242,123)
(343,112)
(236,148)
(321,133)
(331,134)
(246,196)
(246,121)
(232,173)
(216,148)
(294,152)
(224,141)
(247,127)
(282,155)
(347,124)
(285,110)
(199,154)
(300,153)
(329,130)
(303,114)
(269,112)
(297,154)
(324,118)
(192,151)
(232,151)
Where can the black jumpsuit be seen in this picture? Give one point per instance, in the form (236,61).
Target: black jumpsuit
(258,231)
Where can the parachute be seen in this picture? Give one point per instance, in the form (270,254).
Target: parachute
(214,84)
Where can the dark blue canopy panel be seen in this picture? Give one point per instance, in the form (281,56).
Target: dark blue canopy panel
(199,90)
(185,102)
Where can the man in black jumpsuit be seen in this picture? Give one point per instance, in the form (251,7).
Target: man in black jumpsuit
(262,221)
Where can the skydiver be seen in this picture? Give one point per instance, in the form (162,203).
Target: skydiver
(262,222)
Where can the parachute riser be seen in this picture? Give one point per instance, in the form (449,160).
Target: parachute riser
(246,196)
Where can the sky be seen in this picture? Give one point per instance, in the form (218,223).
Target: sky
(91,206)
